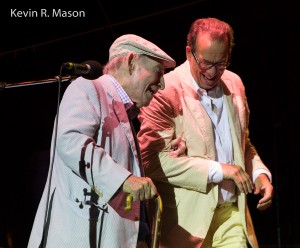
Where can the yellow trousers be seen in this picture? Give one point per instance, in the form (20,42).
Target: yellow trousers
(226,230)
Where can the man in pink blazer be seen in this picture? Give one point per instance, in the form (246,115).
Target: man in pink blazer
(96,159)
(204,192)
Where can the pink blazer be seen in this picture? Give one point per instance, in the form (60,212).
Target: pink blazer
(189,201)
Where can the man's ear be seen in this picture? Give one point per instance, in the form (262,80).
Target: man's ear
(130,63)
(188,53)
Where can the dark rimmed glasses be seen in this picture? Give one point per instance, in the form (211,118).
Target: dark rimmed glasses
(205,65)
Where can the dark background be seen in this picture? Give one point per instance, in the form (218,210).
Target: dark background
(33,49)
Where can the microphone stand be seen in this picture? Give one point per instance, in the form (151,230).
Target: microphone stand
(57,79)
(37,82)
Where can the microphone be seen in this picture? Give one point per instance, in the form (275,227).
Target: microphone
(89,69)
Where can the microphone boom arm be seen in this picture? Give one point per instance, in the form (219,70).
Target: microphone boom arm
(36,82)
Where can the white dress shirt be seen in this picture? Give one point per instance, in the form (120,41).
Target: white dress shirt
(212,101)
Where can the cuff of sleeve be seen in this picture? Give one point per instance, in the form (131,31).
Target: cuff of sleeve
(215,173)
(261,171)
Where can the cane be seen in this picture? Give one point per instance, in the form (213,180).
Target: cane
(157,220)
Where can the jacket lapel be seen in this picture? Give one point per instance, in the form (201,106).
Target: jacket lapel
(234,127)
(193,103)
(127,126)
(121,114)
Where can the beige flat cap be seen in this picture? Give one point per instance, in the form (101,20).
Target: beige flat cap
(130,43)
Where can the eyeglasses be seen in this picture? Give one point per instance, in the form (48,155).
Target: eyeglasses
(205,65)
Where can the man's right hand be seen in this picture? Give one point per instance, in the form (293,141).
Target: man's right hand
(239,176)
(141,188)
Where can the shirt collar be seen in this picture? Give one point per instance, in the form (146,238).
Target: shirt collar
(122,93)
(215,92)
(130,108)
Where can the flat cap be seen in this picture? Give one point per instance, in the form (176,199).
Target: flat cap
(131,43)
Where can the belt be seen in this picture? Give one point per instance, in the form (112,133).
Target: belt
(226,204)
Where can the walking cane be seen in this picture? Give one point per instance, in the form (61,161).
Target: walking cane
(157,219)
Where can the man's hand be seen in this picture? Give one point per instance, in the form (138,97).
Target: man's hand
(265,188)
(239,176)
(141,188)
(178,148)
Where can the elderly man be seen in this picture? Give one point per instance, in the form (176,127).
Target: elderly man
(96,159)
